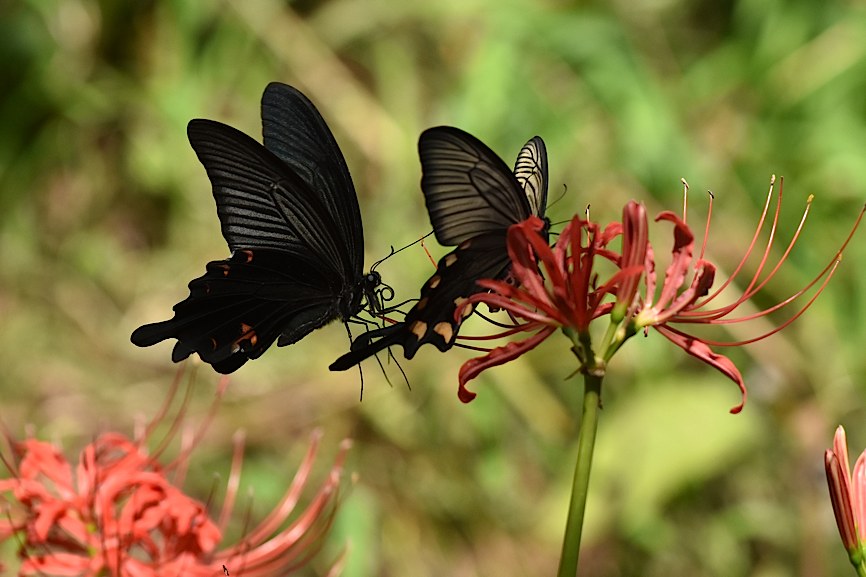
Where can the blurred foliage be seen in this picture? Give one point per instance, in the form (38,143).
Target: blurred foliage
(105,215)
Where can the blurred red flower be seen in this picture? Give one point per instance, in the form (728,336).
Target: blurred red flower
(119,513)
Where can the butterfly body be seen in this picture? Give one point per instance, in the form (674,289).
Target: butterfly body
(472,198)
(289,214)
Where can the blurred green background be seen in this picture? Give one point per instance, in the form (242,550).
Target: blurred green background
(105,215)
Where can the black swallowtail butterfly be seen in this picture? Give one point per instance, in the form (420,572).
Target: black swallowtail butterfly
(472,198)
(290,215)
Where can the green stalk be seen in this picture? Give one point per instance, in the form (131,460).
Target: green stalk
(593,376)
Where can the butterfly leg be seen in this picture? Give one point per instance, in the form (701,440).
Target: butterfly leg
(391,356)
(360,370)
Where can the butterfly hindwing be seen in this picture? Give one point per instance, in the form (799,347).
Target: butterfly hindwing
(432,319)
(241,305)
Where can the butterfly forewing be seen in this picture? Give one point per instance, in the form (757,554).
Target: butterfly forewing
(530,170)
(468,189)
(261,203)
(295,132)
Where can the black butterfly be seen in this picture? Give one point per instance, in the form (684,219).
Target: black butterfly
(472,198)
(290,215)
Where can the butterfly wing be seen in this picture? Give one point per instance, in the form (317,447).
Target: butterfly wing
(262,203)
(297,134)
(288,272)
(530,170)
(460,171)
(468,189)
(241,305)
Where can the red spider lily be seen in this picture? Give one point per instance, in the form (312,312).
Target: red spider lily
(679,303)
(555,288)
(121,513)
(847,495)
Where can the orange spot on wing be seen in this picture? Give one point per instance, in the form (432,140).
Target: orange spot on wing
(445,330)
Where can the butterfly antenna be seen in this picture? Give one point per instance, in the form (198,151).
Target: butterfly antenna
(560,197)
(395,251)
(396,309)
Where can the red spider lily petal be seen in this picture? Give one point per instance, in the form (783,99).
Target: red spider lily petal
(519,302)
(840,449)
(684,243)
(839,483)
(46,516)
(850,492)
(75,527)
(705,273)
(572,288)
(858,495)
(525,247)
(840,498)
(700,350)
(44,459)
(57,563)
(635,239)
(498,356)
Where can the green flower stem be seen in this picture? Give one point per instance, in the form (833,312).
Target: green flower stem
(859,562)
(593,376)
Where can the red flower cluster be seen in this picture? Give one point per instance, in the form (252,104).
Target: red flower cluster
(553,289)
(558,288)
(118,513)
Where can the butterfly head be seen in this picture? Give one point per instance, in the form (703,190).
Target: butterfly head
(372,280)
(375,293)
